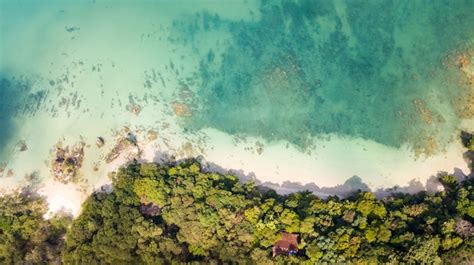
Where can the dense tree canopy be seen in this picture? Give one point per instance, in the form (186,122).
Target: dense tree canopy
(208,217)
(25,236)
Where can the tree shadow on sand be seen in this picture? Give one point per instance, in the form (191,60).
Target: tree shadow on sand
(352,185)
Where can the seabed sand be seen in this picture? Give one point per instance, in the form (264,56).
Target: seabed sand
(102,54)
(331,161)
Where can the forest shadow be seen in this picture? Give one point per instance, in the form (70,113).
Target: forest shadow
(351,186)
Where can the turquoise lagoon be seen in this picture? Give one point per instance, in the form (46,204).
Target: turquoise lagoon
(303,91)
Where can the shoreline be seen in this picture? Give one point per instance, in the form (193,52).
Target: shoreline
(269,169)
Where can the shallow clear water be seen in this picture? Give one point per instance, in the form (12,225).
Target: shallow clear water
(248,84)
(353,68)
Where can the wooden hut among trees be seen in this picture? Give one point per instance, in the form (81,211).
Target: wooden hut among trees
(287,245)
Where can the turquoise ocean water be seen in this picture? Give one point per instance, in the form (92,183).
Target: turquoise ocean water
(353,68)
(395,73)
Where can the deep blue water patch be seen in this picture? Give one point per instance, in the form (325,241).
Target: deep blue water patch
(315,67)
(16,100)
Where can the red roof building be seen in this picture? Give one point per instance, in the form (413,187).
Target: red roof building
(287,245)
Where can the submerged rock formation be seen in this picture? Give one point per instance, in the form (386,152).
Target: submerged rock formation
(181,109)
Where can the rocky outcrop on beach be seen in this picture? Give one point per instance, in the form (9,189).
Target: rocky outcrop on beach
(100,142)
(125,145)
(67,162)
